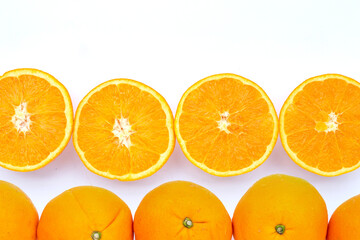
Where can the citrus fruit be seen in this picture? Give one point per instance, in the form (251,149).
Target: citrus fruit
(226,125)
(181,210)
(86,213)
(18,216)
(280,207)
(124,130)
(345,221)
(36,119)
(320,125)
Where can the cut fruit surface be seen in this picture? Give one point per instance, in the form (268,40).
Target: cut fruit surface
(320,125)
(124,130)
(226,125)
(36,119)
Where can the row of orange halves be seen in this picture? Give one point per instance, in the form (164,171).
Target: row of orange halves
(225,124)
(275,207)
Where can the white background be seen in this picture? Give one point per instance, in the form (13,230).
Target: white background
(169,45)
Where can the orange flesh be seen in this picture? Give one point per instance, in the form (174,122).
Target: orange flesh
(250,124)
(46,107)
(306,130)
(149,138)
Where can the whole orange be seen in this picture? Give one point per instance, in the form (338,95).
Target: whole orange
(281,207)
(86,213)
(18,216)
(181,210)
(345,221)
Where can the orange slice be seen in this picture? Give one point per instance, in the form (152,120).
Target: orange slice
(320,125)
(226,125)
(36,119)
(124,130)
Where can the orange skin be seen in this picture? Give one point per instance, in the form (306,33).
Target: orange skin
(281,200)
(345,221)
(18,215)
(162,212)
(80,212)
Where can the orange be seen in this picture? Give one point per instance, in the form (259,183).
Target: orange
(36,119)
(83,213)
(226,125)
(320,125)
(281,207)
(124,130)
(18,216)
(345,221)
(184,211)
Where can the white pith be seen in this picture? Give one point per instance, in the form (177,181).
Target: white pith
(122,130)
(21,118)
(223,123)
(332,124)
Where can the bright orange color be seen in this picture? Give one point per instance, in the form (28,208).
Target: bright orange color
(226,125)
(18,216)
(36,119)
(85,213)
(345,221)
(320,125)
(184,211)
(124,130)
(281,200)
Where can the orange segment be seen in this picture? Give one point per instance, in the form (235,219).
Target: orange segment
(124,130)
(320,124)
(226,125)
(36,119)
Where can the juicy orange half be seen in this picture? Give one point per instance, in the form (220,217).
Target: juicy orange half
(36,119)
(124,130)
(226,125)
(320,125)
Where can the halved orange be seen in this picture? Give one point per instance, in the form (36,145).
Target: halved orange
(320,125)
(226,125)
(124,130)
(36,119)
